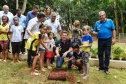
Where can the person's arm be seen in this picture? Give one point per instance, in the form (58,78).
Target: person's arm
(65,54)
(27,19)
(114,37)
(57,52)
(41,41)
(89,45)
(69,59)
(81,33)
(11,36)
(4,31)
(21,36)
(44,39)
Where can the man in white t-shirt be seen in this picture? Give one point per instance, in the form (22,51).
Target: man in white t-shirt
(55,25)
(33,27)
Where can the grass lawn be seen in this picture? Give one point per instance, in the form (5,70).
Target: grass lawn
(19,73)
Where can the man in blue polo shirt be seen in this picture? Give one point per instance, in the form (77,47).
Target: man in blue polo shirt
(32,14)
(104,28)
(63,49)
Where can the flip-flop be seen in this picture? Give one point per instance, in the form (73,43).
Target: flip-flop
(4,61)
(35,74)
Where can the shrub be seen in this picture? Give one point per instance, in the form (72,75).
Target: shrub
(118,52)
(94,52)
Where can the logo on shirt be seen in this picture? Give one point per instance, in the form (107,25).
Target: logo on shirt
(59,47)
(98,28)
(18,29)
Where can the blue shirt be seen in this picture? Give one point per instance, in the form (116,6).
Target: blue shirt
(63,47)
(87,38)
(104,30)
(22,21)
(47,18)
(30,15)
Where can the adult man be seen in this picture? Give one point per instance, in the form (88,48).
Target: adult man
(22,22)
(33,26)
(104,29)
(54,24)
(63,49)
(9,15)
(6,13)
(32,14)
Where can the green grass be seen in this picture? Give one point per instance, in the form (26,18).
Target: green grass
(19,73)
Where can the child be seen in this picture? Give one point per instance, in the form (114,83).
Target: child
(42,49)
(86,48)
(77,56)
(32,43)
(4,29)
(50,46)
(16,37)
(76,33)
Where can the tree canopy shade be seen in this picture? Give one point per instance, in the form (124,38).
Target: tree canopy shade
(86,11)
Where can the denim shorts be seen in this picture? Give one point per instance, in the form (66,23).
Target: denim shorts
(42,50)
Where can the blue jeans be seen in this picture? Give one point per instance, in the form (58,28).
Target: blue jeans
(60,60)
(104,45)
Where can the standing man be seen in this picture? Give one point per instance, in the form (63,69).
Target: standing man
(32,14)
(55,24)
(104,28)
(6,13)
(22,22)
(10,16)
(33,27)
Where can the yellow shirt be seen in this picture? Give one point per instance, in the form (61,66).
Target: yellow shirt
(86,48)
(3,36)
(32,42)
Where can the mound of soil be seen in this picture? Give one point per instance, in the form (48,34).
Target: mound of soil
(61,74)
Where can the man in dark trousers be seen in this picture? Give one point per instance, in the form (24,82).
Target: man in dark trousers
(104,28)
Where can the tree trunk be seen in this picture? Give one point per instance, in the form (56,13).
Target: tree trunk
(116,17)
(16,4)
(24,6)
(122,22)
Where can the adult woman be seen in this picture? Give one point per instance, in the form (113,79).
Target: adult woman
(47,12)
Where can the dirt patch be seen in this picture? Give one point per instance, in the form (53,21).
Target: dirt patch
(62,74)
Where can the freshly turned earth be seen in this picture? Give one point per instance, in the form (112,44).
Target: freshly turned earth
(61,74)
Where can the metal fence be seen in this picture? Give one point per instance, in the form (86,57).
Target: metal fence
(122,37)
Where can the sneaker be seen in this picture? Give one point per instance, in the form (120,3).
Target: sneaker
(23,52)
(9,51)
(106,72)
(29,66)
(99,69)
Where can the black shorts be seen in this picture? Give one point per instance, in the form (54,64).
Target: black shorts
(33,53)
(16,46)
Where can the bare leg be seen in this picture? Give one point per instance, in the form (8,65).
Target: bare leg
(18,57)
(41,61)
(48,63)
(6,52)
(87,71)
(33,66)
(3,52)
(13,58)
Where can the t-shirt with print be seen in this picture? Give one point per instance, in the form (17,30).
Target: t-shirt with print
(77,55)
(50,44)
(3,36)
(16,33)
(88,39)
(33,41)
(44,43)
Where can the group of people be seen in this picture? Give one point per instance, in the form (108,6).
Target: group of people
(40,30)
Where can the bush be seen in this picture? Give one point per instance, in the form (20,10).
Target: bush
(94,52)
(118,52)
